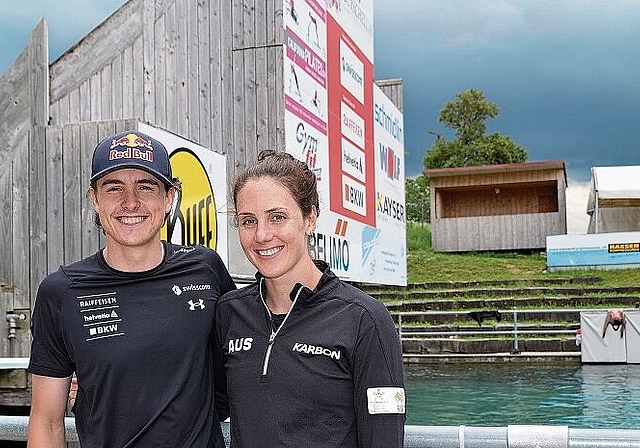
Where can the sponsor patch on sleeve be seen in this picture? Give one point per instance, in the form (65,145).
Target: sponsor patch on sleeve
(385,400)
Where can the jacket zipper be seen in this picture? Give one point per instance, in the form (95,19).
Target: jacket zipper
(274,333)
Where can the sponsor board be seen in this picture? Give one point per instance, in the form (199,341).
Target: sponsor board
(620,249)
(198,213)
(349,134)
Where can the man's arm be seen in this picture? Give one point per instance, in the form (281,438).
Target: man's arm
(48,406)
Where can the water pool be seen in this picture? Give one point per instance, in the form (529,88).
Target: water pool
(580,396)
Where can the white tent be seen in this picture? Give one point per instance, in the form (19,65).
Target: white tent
(614,199)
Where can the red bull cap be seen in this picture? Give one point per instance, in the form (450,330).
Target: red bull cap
(131,149)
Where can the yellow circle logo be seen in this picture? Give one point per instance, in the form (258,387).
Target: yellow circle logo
(192,219)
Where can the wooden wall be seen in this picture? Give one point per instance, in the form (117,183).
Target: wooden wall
(394,89)
(508,210)
(208,71)
(24,102)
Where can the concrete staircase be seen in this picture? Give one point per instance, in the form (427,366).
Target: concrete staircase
(538,318)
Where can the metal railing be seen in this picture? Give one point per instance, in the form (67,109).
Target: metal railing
(515,331)
(14,428)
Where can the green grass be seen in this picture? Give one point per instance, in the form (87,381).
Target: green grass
(425,265)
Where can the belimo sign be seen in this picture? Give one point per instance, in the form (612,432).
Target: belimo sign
(192,219)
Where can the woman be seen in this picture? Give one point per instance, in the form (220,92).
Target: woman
(311,361)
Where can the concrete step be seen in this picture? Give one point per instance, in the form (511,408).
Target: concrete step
(474,330)
(468,304)
(398,294)
(428,286)
(454,345)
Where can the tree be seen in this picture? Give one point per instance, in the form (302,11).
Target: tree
(467,115)
(417,199)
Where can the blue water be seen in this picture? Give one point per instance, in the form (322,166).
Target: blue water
(580,396)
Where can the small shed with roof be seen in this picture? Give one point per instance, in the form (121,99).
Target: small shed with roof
(497,207)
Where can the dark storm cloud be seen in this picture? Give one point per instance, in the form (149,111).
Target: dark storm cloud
(564,74)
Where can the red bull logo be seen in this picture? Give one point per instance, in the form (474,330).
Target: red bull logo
(135,146)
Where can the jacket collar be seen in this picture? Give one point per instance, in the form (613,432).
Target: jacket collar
(304,293)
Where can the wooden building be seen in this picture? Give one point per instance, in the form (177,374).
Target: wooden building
(497,207)
(208,71)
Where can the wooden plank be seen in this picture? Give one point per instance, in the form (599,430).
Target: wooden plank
(278,24)
(106,94)
(263,96)
(182,69)
(37,214)
(90,135)
(261,22)
(237,24)
(279,99)
(250,102)
(74,106)
(21,205)
(270,20)
(194,65)
(54,112)
(95,95)
(204,75)
(21,344)
(149,58)
(39,74)
(6,249)
(63,110)
(116,87)
(14,103)
(138,79)
(6,304)
(39,117)
(72,193)
(13,379)
(15,73)
(171,105)
(160,82)
(271,78)
(249,24)
(226,86)
(215,56)
(6,236)
(55,194)
(127,82)
(85,101)
(238,154)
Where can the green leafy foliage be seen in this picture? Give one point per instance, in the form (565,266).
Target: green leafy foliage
(467,115)
(417,199)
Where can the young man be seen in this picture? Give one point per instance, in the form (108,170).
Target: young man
(134,321)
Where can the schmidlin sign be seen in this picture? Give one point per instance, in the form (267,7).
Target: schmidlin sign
(332,102)
(194,217)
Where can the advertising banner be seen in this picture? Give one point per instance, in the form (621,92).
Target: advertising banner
(617,249)
(350,134)
(199,212)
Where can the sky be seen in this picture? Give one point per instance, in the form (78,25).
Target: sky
(564,73)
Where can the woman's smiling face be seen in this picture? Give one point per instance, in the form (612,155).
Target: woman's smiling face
(273,232)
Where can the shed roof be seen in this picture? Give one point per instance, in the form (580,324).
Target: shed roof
(615,182)
(490,169)
(614,199)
